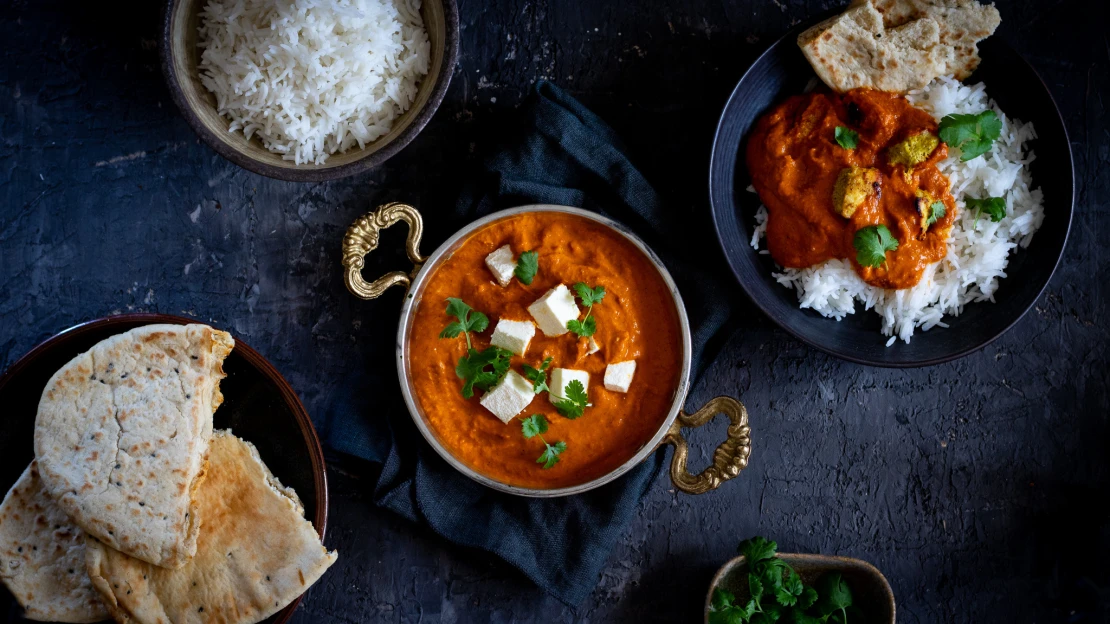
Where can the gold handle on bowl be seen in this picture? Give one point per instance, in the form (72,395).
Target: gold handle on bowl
(730,457)
(362,238)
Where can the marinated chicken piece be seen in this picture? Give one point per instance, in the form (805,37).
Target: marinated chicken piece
(914,150)
(927,209)
(853,186)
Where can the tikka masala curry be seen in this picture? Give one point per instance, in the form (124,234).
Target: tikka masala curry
(820,191)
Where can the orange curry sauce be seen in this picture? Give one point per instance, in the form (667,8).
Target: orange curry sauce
(636,320)
(794,160)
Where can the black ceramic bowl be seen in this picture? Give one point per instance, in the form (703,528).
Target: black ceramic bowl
(259,406)
(782,71)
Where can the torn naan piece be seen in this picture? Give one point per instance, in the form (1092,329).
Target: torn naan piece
(963,24)
(121,435)
(42,556)
(903,49)
(255,554)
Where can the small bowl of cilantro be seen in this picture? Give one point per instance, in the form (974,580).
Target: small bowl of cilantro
(761,586)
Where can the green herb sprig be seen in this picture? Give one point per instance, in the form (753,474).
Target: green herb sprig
(846,137)
(533,427)
(777,593)
(872,243)
(994,207)
(575,402)
(538,376)
(589,297)
(973,133)
(527,265)
(478,369)
(936,212)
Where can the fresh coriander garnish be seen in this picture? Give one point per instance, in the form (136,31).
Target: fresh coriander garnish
(995,207)
(533,427)
(872,243)
(777,593)
(846,137)
(526,266)
(575,402)
(470,320)
(538,376)
(972,133)
(479,369)
(936,211)
(482,369)
(588,296)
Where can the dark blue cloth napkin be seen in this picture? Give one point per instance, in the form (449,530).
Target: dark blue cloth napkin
(562,154)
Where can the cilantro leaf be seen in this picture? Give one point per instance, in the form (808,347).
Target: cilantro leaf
(472,368)
(575,402)
(589,297)
(585,328)
(526,266)
(936,211)
(995,207)
(551,454)
(538,376)
(846,137)
(757,549)
(755,588)
(722,598)
(835,594)
(973,134)
(533,426)
(872,243)
(470,320)
(808,597)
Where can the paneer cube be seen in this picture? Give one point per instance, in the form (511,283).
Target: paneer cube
(561,378)
(502,264)
(553,310)
(854,186)
(508,398)
(513,335)
(618,375)
(592,347)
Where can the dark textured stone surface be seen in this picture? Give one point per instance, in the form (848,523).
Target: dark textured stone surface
(978,487)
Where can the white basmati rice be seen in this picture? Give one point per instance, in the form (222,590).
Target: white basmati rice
(312,78)
(978,250)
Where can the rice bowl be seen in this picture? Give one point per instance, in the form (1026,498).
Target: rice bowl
(978,250)
(313,78)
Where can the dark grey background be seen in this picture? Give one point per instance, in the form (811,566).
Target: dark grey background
(979,487)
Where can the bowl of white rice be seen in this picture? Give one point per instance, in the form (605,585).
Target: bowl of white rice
(309,90)
(994,271)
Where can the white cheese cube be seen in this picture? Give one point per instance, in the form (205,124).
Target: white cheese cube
(561,378)
(508,398)
(592,346)
(553,310)
(501,263)
(618,375)
(513,335)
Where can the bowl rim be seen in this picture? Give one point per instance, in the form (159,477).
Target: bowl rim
(411,301)
(313,173)
(719,203)
(254,358)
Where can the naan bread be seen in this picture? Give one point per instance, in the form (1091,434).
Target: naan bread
(255,555)
(898,45)
(122,432)
(963,24)
(42,556)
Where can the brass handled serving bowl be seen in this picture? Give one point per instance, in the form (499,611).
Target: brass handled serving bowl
(362,237)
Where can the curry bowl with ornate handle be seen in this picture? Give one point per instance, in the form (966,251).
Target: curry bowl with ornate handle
(729,459)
